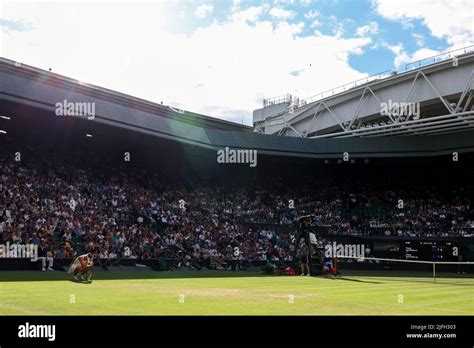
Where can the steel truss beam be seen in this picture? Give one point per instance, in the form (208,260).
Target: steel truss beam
(420,126)
(395,123)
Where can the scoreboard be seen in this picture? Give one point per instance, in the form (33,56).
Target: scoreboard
(429,250)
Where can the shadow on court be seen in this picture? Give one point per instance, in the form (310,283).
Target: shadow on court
(446,278)
(29,276)
(353,280)
(358,276)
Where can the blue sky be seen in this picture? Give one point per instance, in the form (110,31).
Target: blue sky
(222,58)
(332,16)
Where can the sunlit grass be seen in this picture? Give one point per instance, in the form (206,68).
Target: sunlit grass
(227,293)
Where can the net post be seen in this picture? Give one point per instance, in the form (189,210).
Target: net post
(434,272)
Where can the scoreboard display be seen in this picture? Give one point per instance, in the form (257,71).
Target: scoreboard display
(429,250)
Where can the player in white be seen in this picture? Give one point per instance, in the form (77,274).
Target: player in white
(81,268)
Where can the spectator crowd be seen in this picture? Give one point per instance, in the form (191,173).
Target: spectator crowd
(67,211)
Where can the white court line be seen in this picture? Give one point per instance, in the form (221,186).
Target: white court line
(23,310)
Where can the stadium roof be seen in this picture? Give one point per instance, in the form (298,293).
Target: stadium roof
(89,90)
(25,85)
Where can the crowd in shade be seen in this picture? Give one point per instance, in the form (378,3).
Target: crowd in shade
(69,211)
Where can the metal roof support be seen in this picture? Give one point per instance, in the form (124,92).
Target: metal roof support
(466,90)
(318,106)
(363,99)
(294,130)
(468,102)
(412,90)
(334,116)
(315,117)
(407,126)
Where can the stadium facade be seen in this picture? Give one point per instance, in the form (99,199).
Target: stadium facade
(396,153)
(347,122)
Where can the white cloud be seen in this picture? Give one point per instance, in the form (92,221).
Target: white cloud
(450,20)
(315,24)
(311,14)
(250,14)
(223,70)
(371,28)
(294,28)
(338,26)
(235,5)
(281,13)
(203,10)
(420,39)
(286,2)
(402,57)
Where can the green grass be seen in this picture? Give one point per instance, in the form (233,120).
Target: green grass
(234,293)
